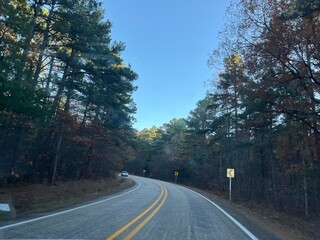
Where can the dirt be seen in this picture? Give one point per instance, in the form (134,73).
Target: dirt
(267,223)
(25,200)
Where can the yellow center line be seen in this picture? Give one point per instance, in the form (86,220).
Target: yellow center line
(129,224)
(147,219)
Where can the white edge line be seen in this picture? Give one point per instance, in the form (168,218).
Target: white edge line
(245,230)
(69,210)
(253,237)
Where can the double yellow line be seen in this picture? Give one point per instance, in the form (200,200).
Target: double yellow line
(163,196)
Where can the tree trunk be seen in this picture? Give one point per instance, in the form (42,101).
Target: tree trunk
(62,83)
(27,43)
(49,75)
(18,145)
(68,100)
(85,114)
(305,182)
(44,45)
(57,153)
(86,164)
(305,190)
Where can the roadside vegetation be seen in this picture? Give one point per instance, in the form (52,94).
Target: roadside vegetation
(32,199)
(65,93)
(260,117)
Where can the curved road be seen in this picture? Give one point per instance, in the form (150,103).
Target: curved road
(150,210)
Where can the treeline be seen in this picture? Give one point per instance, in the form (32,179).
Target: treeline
(65,93)
(262,116)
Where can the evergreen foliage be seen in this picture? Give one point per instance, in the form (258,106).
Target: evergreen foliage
(65,93)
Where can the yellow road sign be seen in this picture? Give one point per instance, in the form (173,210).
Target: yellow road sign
(176,173)
(230,172)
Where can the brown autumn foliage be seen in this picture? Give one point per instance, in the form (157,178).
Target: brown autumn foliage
(262,116)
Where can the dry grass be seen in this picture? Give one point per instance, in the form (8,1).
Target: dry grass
(37,198)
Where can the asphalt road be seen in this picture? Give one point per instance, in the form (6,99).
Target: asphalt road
(150,210)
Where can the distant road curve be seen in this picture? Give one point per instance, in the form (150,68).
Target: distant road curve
(152,209)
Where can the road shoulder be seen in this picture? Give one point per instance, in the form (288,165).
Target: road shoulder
(262,226)
(31,200)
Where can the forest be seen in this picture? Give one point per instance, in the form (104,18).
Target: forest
(65,93)
(260,116)
(66,106)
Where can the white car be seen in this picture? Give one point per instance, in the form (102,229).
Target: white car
(124,174)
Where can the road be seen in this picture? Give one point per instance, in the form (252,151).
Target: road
(150,210)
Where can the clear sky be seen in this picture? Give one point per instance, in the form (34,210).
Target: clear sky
(168,43)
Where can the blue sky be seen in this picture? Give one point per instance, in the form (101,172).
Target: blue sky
(168,43)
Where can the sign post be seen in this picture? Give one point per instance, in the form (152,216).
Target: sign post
(176,173)
(144,172)
(230,174)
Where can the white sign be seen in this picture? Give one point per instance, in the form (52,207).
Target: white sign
(4,207)
(230,172)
